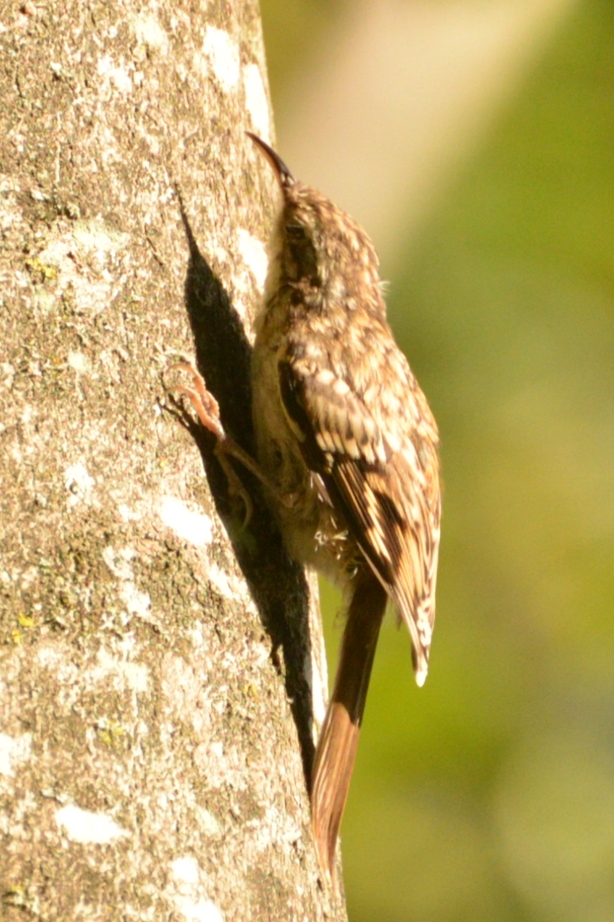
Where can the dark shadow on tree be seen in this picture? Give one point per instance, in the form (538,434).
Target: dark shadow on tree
(277,584)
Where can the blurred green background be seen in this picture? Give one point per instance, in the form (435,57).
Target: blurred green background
(489,794)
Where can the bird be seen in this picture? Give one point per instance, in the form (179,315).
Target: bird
(347,450)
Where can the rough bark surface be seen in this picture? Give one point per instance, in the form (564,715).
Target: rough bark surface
(159,666)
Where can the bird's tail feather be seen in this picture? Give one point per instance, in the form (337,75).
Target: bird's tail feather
(338,742)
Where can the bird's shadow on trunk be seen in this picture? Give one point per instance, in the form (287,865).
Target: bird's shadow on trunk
(277,584)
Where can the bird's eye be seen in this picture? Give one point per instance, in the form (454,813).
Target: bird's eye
(295,232)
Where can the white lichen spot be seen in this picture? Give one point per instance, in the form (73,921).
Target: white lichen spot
(317,682)
(14,751)
(127,514)
(228,586)
(79,362)
(274,828)
(186,870)
(202,910)
(79,484)
(27,414)
(137,603)
(221,255)
(243,312)
(81,257)
(114,74)
(217,750)
(222,53)
(118,673)
(219,767)
(193,527)
(197,529)
(54,657)
(219,580)
(98,237)
(200,64)
(184,693)
(148,31)
(118,561)
(207,822)
(10,214)
(88,828)
(256,101)
(8,373)
(186,892)
(254,255)
(197,636)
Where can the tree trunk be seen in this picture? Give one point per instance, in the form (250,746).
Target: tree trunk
(159,665)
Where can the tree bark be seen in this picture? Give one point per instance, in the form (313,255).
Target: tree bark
(159,665)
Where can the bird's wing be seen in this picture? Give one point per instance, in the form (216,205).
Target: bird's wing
(381,472)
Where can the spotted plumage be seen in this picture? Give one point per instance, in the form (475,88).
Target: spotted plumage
(348,446)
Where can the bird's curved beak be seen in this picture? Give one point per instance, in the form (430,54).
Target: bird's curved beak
(284,176)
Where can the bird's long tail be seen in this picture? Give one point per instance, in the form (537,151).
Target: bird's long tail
(336,750)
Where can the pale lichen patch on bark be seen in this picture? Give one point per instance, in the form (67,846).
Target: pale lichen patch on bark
(136,601)
(85,258)
(223,54)
(254,254)
(194,527)
(86,827)
(228,585)
(79,362)
(249,274)
(14,752)
(149,32)
(186,890)
(79,484)
(318,683)
(114,76)
(256,101)
(198,530)
(120,674)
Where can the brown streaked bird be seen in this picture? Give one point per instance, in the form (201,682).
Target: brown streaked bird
(347,450)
